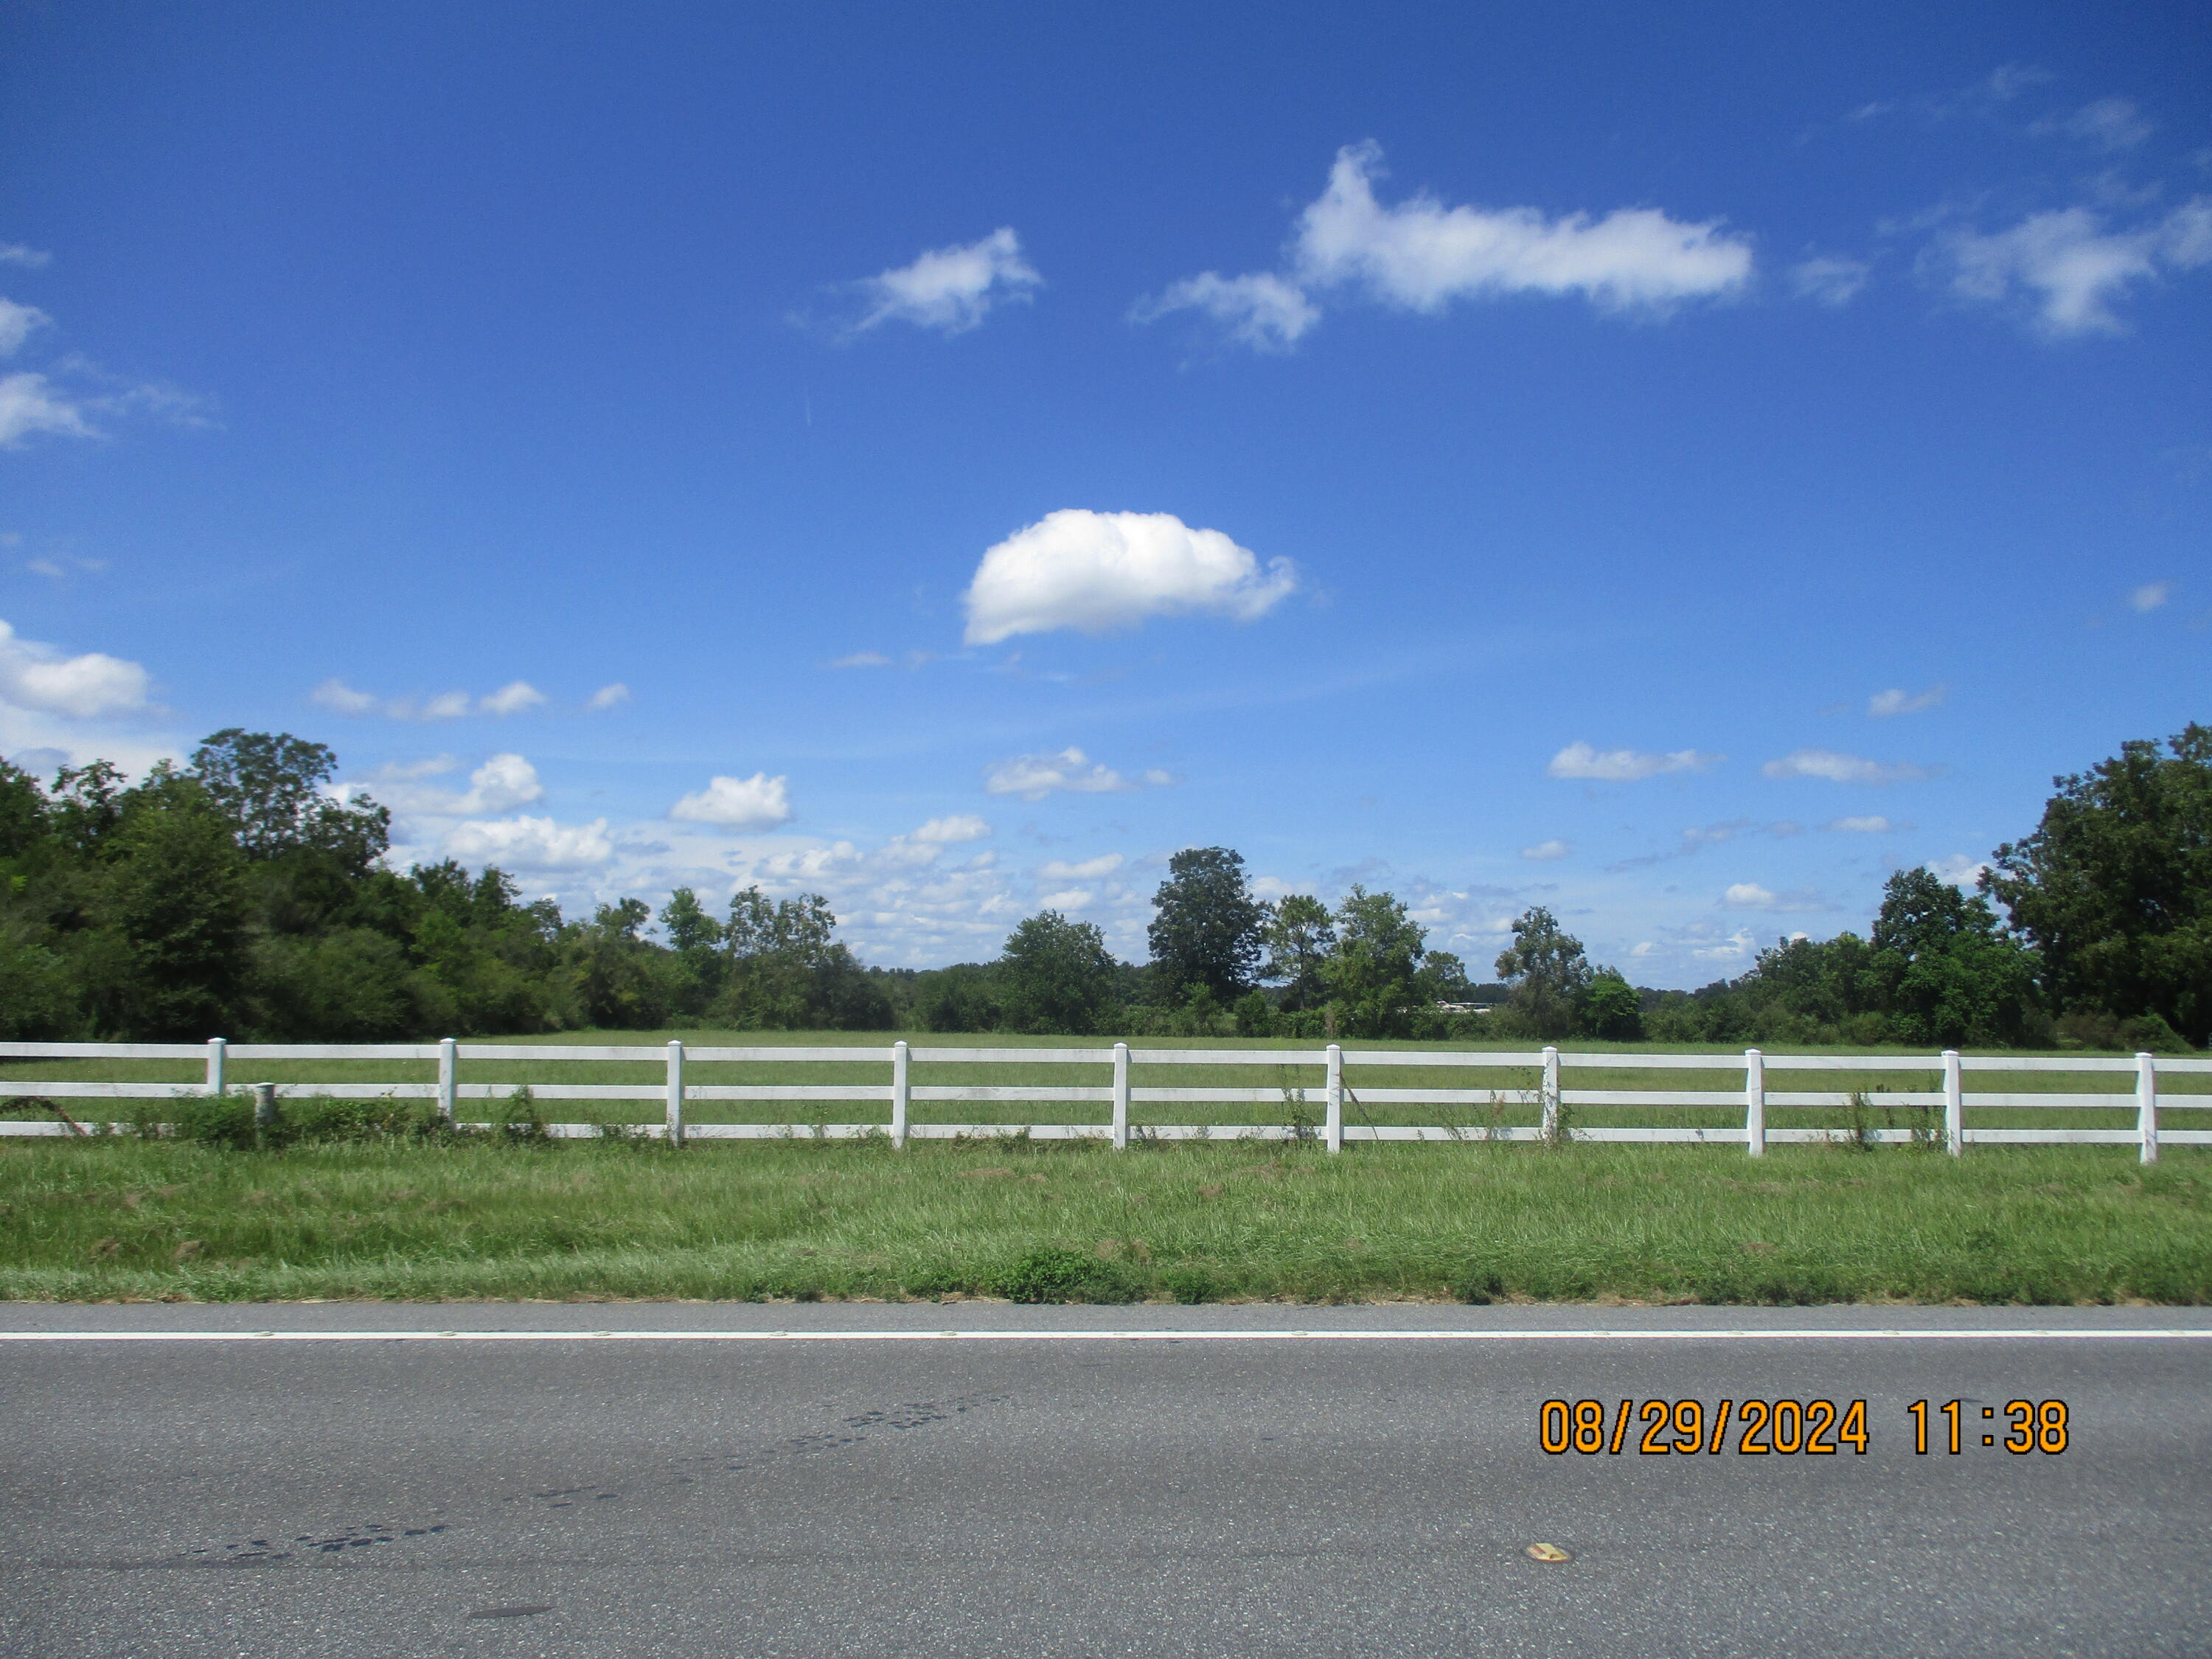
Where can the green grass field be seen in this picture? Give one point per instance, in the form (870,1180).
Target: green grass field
(121,1218)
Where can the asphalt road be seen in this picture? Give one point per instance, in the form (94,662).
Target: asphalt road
(1029,1498)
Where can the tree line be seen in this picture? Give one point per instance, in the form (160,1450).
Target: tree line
(237,895)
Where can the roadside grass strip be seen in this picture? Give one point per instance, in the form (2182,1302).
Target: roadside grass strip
(124,1218)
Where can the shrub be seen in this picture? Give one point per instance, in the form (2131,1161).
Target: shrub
(1054,1274)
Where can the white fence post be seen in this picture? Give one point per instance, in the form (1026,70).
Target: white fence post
(1754,1102)
(2147,1106)
(675,1093)
(1332,1126)
(215,1046)
(265,1105)
(901,1092)
(1120,1097)
(448,1086)
(1550,1122)
(1954,1104)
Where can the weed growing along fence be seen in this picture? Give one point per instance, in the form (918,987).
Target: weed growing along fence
(1305,1092)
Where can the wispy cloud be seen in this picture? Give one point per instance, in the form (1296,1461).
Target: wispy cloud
(1840,768)
(2107,123)
(14,253)
(1829,279)
(1750,896)
(1071,771)
(1419,255)
(2065,269)
(860,660)
(1897,701)
(1580,760)
(1087,869)
(607,696)
(1545,851)
(2151,595)
(515,697)
(949,289)
(1867,824)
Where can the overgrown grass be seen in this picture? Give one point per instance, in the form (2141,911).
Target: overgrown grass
(436,1219)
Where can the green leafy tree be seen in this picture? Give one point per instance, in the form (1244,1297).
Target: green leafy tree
(783,969)
(2114,887)
(1372,974)
(1547,973)
(1946,974)
(166,955)
(1298,936)
(272,786)
(1206,928)
(1057,976)
(1610,1008)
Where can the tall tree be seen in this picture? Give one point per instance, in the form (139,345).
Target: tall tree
(1057,976)
(1549,974)
(1372,974)
(2114,888)
(270,785)
(1206,928)
(1299,936)
(1945,972)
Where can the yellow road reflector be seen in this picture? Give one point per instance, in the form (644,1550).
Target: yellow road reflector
(1547,1553)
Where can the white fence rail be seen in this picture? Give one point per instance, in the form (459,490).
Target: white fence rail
(1555,1102)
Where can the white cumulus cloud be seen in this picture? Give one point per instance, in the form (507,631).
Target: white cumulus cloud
(528,843)
(1750,896)
(1580,760)
(759,802)
(500,785)
(608,696)
(951,288)
(2067,268)
(1035,776)
(1839,768)
(36,676)
(1870,824)
(1070,898)
(1096,572)
(511,699)
(1897,701)
(1543,850)
(959,827)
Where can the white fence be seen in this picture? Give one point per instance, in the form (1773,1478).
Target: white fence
(1555,1102)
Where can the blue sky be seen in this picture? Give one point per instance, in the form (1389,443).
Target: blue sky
(1676,465)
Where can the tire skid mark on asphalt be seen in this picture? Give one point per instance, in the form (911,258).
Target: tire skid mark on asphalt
(303,1548)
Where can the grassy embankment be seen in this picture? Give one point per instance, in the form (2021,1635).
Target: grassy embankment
(126,1217)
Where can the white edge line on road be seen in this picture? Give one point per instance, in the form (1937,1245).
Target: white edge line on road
(2167,1334)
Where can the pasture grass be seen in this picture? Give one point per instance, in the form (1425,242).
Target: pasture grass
(117,1218)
